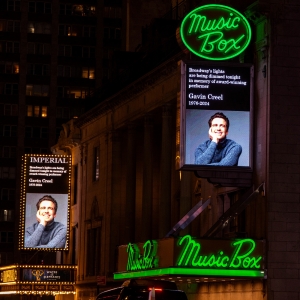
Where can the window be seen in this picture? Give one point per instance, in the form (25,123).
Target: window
(36,132)
(9,47)
(69,30)
(79,72)
(112,12)
(93,246)
(13,5)
(38,69)
(13,26)
(6,215)
(6,237)
(89,31)
(8,109)
(9,67)
(36,111)
(9,152)
(8,194)
(77,9)
(38,48)
(83,10)
(112,33)
(76,51)
(7,172)
(68,113)
(64,50)
(39,7)
(73,92)
(96,158)
(65,9)
(39,27)
(9,130)
(88,52)
(88,73)
(37,90)
(11,89)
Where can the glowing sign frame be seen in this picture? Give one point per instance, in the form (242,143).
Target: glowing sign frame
(13,281)
(42,182)
(224,32)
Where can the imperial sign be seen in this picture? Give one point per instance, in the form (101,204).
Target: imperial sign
(215,32)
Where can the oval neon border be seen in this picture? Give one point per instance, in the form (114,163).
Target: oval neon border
(224,7)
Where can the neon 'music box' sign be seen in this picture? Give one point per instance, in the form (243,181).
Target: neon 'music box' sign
(215,32)
(190,256)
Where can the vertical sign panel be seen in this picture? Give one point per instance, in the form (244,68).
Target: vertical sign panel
(216,115)
(45,202)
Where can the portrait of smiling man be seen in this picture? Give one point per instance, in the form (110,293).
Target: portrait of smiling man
(218,150)
(46,232)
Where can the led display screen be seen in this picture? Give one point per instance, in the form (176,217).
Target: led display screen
(45,202)
(216,114)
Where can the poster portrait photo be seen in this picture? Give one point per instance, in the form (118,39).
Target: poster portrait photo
(197,132)
(52,234)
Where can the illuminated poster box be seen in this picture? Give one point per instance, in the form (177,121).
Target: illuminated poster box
(207,89)
(45,202)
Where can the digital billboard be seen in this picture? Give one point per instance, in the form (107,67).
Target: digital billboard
(216,115)
(45,202)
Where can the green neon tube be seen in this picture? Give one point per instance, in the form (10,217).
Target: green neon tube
(190,272)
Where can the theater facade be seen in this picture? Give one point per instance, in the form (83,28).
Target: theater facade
(141,207)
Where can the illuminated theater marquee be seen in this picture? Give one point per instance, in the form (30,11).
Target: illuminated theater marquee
(215,32)
(192,257)
(37,279)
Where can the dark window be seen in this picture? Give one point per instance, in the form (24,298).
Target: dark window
(7,194)
(9,131)
(6,237)
(11,89)
(39,7)
(8,172)
(93,250)
(9,152)
(13,5)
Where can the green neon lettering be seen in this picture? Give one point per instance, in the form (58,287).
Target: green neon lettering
(219,38)
(222,45)
(233,21)
(190,247)
(133,256)
(136,261)
(224,262)
(201,22)
(255,262)
(199,18)
(238,258)
(234,43)
(190,255)
(209,44)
